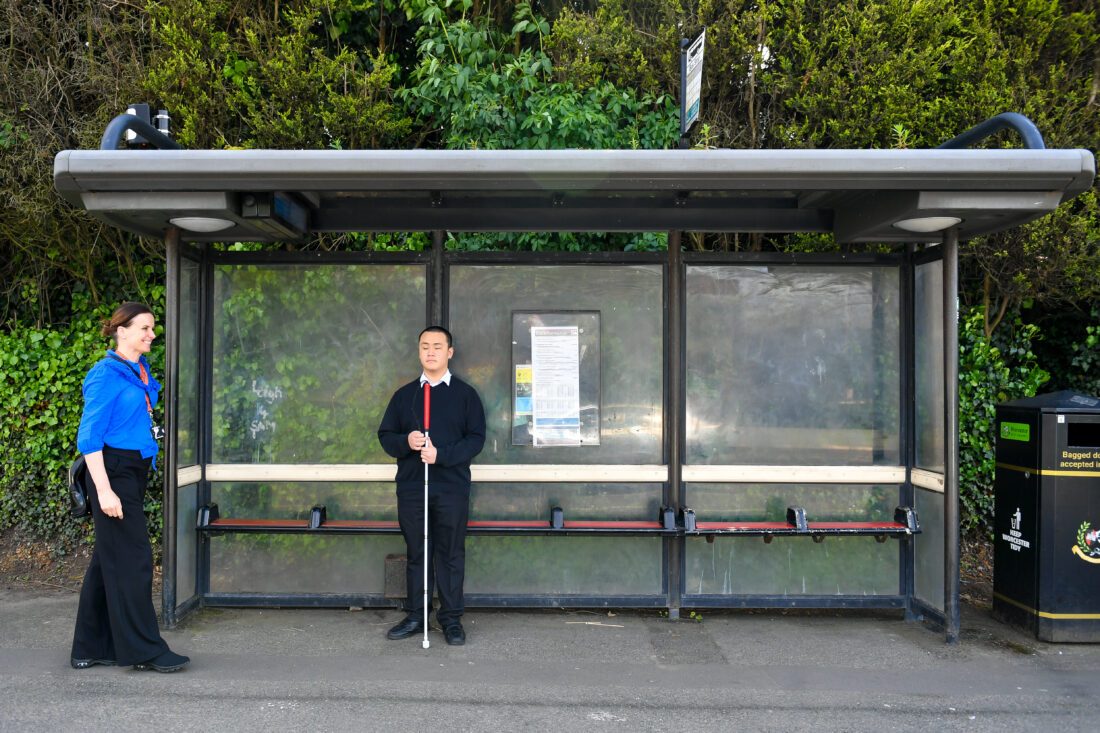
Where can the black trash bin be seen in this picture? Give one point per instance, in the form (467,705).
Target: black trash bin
(1046,538)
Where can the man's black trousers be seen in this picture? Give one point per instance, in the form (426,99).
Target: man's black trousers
(448,511)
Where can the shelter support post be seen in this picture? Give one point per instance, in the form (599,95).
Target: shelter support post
(951,434)
(909,418)
(674,412)
(437,297)
(171,399)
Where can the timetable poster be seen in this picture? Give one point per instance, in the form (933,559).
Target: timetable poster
(555,380)
(555,385)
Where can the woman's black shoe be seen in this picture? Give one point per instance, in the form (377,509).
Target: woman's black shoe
(85,663)
(406,628)
(166,662)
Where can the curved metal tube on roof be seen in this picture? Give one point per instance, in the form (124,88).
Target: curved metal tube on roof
(117,128)
(1033,139)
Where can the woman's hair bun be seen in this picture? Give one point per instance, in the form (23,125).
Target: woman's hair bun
(123,316)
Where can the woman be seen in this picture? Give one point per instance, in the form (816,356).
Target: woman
(115,622)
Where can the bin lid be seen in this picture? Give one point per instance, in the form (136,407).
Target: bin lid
(1063,401)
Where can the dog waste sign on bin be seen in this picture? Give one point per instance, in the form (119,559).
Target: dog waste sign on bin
(1046,544)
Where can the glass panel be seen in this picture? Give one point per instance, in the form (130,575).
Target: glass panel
(254,563)
(929,548)
(928,355)
(791,566)
(187,409)
(617,501)
(307,357)
(187,506)
(590,566)
(543,565)
(792,365)
(342,500)
(769,502)
(629,300)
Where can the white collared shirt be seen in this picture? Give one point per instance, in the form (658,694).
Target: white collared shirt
(446,378)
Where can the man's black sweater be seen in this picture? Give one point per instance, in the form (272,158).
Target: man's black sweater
(457,430)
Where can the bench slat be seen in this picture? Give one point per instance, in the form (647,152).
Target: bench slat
(888,526)
(747,526)
(228,523)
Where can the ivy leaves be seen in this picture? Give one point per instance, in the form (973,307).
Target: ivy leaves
(483,88)
(988,374)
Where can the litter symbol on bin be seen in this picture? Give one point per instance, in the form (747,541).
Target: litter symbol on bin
(1015,538)
(1088,544)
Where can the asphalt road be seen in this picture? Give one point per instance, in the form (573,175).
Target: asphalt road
(333,670)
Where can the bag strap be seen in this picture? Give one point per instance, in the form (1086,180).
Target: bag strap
(144,377)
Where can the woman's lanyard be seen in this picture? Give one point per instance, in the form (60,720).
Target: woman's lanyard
(144,377)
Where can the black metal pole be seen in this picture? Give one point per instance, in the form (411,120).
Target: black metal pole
(116,130)
(171,420)
(1025,128)
(437,307)
(674,416)
(951,434)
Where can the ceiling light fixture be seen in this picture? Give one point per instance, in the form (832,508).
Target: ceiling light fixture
(927,224)
(201,224)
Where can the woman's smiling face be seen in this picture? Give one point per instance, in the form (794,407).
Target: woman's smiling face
(138,336)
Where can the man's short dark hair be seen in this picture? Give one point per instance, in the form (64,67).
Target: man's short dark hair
(441,330)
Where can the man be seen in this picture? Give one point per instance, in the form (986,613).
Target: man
(456,433)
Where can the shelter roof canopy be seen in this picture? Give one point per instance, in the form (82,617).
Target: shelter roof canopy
(859,195)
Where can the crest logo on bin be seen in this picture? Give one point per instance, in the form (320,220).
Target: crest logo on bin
(1088,544)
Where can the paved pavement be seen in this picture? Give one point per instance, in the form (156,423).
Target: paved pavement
(333,670)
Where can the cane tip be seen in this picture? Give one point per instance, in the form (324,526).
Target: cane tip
(426,644)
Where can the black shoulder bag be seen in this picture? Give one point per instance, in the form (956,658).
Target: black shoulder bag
(79,506)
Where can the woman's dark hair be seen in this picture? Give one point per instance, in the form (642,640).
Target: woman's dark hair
(123,316)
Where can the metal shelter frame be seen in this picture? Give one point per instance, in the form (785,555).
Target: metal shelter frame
(911,197)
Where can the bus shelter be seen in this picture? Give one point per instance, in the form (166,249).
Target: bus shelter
(738,429)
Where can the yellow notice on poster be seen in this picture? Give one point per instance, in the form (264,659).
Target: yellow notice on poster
(524,382)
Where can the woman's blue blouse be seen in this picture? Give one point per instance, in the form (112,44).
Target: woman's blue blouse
(115,413)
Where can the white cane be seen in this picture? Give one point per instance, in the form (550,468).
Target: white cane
(427,413)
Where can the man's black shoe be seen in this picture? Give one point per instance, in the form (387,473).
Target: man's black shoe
(85,663)
(455,635)
(406,628)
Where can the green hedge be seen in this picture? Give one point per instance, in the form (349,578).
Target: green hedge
(41,373)
(988,374)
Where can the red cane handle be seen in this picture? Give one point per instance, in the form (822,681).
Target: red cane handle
(427,406)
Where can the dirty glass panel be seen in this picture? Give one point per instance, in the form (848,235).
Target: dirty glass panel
(307,357)
(187,409)
(929,548)
(928,355)
(341,499)
(791,566)
(792,365)
(769,502)
(254,563)
(631,310)
(610,501)
(590,566)
(186,542)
